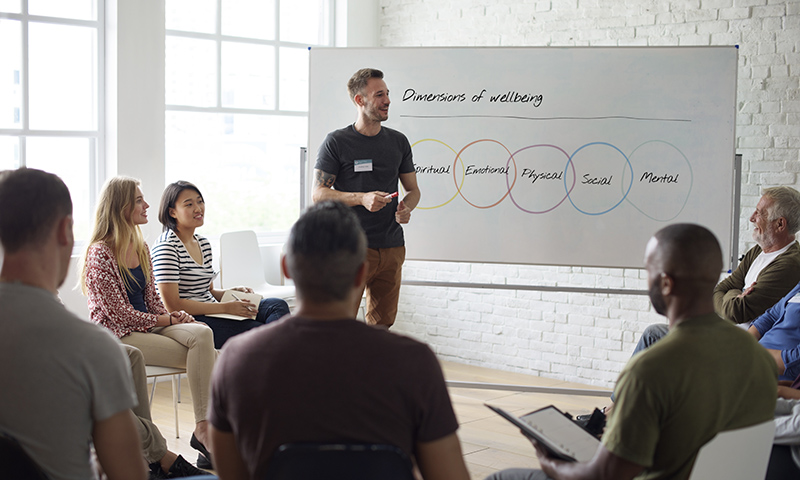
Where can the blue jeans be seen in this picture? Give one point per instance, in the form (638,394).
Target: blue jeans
(269,310)
(651,335)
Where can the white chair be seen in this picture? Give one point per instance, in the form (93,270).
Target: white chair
(240,264)
(155,371)
(741,454)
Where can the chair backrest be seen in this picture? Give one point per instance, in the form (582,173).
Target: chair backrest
(240,259)
(741,454)
(16,463)
(339,461)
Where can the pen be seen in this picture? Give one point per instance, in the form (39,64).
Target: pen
(391,195)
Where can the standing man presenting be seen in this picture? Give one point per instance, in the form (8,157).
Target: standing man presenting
(359,165)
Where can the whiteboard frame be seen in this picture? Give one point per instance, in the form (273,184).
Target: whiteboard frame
(732,238)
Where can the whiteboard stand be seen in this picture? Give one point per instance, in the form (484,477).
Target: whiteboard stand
(586,392)
(737,204)
(536,288)
(303,166)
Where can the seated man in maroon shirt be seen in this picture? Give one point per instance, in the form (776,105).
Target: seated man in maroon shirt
(322,376)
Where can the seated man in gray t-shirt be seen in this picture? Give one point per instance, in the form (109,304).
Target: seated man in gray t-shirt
(68,383)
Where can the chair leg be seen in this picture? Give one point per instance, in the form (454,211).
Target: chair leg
(153,390)
(175,403)
(179,388)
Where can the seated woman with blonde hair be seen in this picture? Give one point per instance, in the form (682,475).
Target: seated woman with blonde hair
(117,276)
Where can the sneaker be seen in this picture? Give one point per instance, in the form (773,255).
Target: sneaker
(181,468)
(155,472)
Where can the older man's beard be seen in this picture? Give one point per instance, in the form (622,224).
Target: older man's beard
(764,239)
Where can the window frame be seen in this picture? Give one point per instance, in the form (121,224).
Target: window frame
(97,136)
(265,237)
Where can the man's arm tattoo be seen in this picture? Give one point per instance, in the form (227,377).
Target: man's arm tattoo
(323,179)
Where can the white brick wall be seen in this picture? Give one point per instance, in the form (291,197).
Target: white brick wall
(584,337)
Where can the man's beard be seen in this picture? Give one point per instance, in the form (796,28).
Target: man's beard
(657,299)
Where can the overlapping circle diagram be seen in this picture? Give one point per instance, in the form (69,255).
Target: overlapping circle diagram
(655,178)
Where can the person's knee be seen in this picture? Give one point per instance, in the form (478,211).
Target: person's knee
(204,336)
(654,332)
(135,356)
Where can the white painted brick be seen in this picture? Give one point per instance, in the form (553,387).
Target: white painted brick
(778,179)
(706,19)
(608,345)
(750,3)
(765,166)
(734,13)
(785,130)
(769,11)
(715,3)
(569,329)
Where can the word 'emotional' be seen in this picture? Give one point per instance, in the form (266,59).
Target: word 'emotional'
(507,97)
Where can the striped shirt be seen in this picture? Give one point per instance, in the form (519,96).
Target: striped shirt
(173,264)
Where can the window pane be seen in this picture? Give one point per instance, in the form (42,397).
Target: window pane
(10,74)
(294,79)
(10,6)
(247,167)
(79,9)
(191,71)
(69,158)
(249,18)
(191,15)
(63,77)
(305,21)
(248,76)
(9,153)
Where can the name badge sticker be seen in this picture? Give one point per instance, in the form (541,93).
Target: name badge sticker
(363,165)
(795,299)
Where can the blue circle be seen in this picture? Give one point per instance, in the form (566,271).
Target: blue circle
(630,167)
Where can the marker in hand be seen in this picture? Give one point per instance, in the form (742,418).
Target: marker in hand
(390,196)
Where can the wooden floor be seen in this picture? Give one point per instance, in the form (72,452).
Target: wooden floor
(489,442)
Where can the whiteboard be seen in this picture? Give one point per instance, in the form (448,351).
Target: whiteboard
(550,156)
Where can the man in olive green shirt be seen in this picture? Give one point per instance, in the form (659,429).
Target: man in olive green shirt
(677,395)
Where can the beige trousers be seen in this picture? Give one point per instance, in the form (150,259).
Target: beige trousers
(154,445)
(186,345)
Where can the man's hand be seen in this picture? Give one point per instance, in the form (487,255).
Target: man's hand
(403,214)
(374,201)
(548,463)
(788,392)
(747,291)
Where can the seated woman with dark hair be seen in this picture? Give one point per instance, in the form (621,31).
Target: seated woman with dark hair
(185,277)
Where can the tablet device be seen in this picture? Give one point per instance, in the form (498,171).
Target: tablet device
(556,433)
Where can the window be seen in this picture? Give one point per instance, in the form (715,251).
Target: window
(50,79)
(237,104)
